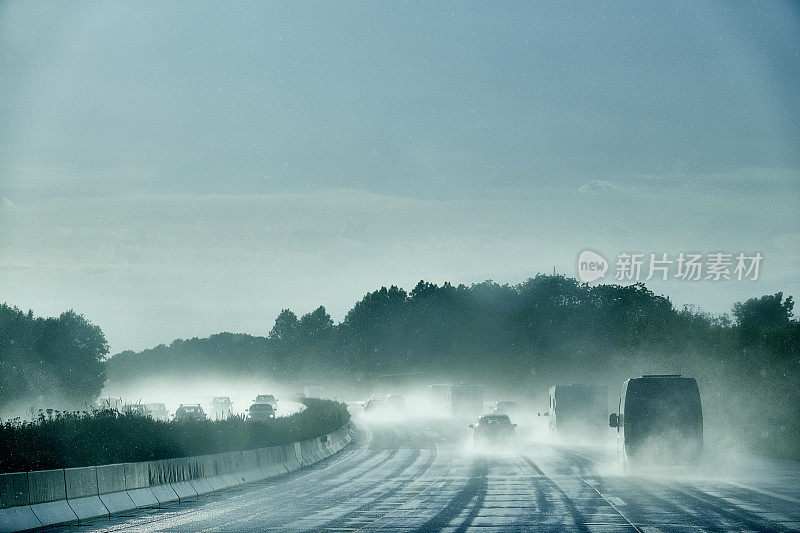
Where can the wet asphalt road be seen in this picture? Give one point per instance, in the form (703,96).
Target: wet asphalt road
(424,477)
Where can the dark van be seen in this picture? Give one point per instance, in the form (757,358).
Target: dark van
(660,420)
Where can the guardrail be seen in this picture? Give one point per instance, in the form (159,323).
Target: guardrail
(30,500)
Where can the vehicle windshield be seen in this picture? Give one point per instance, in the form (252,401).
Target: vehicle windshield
(494,420)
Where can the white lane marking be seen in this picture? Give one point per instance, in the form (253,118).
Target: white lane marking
(413,497)
(764,492)
(613,506)
(609,500)
(319,518)
(616,501)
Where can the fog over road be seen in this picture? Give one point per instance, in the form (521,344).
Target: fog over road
(422,476)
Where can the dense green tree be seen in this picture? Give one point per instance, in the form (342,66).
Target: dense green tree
(59,357)
(760,316)
(316,326)
(286,328)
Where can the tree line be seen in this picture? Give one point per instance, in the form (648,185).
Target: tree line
(521,339)
(488,330)
(57,358)
(516,338)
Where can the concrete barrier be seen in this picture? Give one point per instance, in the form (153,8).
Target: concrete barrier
(250,471)
(198,477)
(208,465)
(320,452)
(230,464)
(279,455)
(48,497)
(82,494)
(184,475)
(18,519)
(15,509)
(294,459)
(224,462)
(304,453)
(177,473)
(335,442)
(270,461)
(323,446)
(137,485)
(47,490)
(111,487)
(298,453)
(310,452)
(340,438)
(158,474)
(238,466)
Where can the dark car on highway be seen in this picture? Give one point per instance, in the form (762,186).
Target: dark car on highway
(493,429)
(260,412)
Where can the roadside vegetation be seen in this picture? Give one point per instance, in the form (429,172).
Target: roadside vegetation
(64,440)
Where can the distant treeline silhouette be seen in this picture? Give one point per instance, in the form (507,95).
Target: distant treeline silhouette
(487,330)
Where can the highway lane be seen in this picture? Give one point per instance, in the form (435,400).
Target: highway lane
(423,476)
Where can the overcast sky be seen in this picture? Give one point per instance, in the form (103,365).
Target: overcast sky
(175,170)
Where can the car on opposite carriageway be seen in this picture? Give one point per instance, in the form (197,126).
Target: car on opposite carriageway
(136,409)
(267,398)
(260,412)
(158,411)
(190,411)
(221,407)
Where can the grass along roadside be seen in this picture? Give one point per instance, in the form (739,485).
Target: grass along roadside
(105,437)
